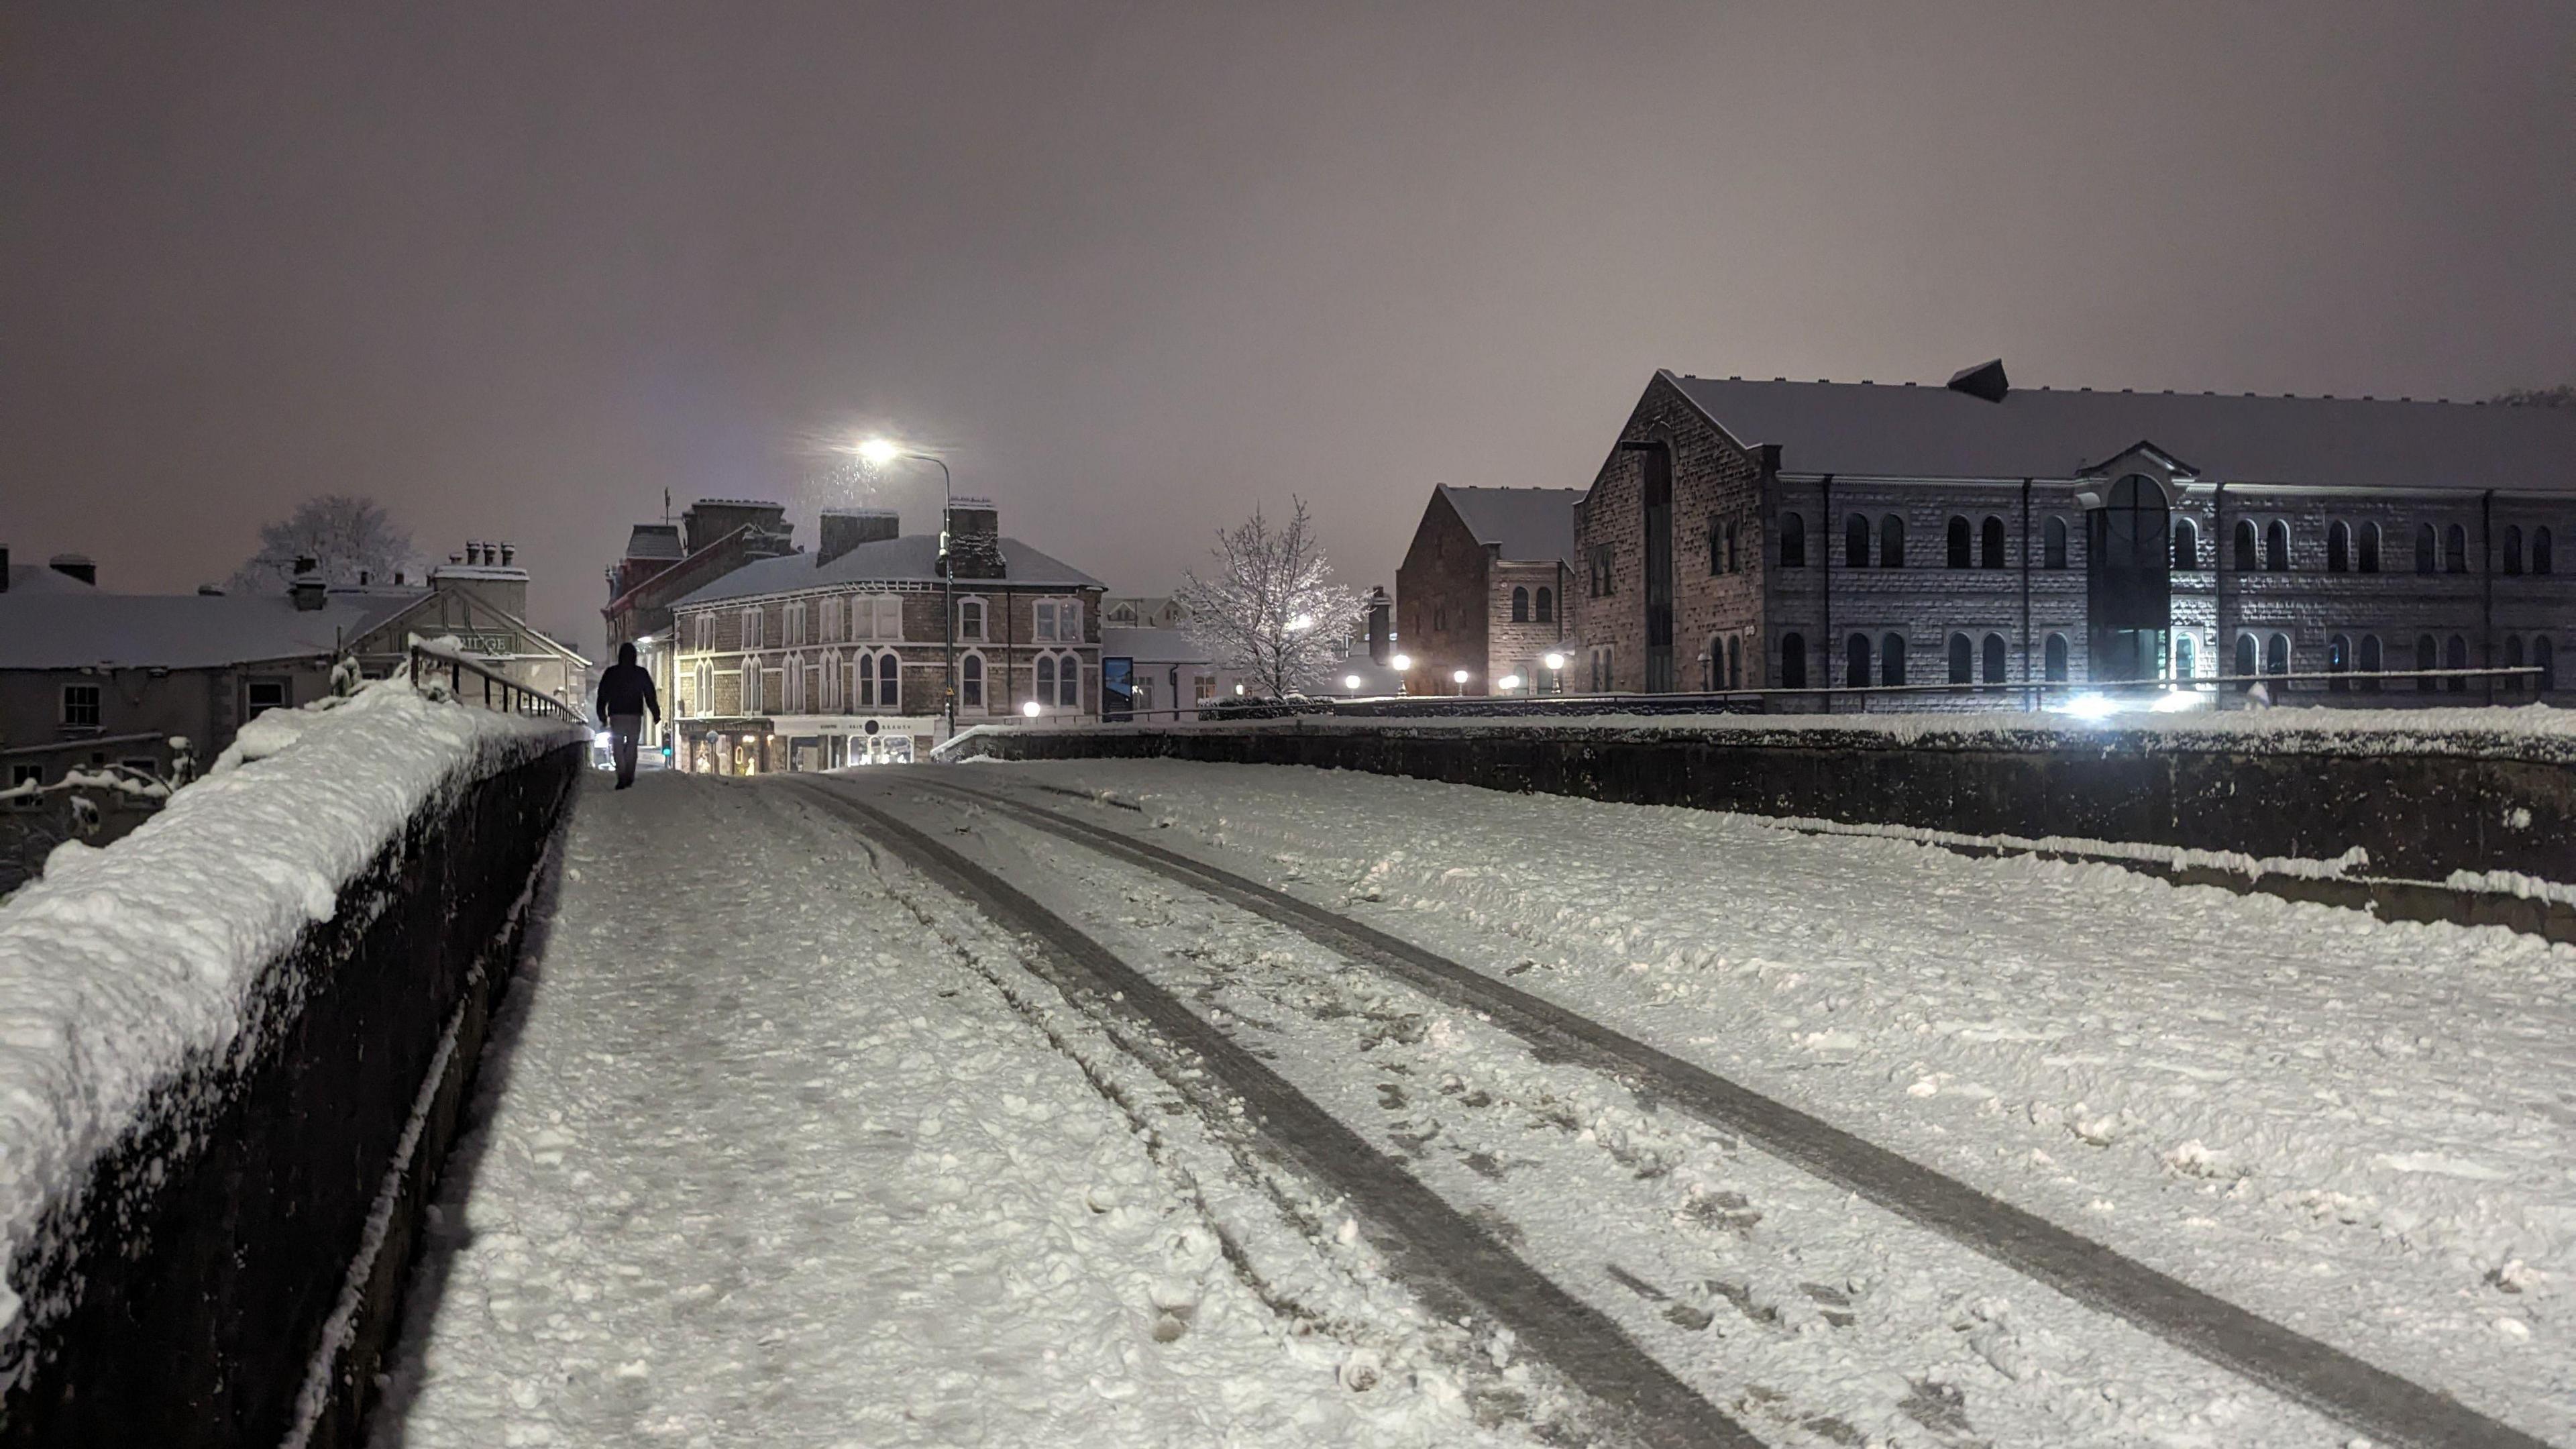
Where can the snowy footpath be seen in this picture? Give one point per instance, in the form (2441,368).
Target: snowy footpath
(766,1157)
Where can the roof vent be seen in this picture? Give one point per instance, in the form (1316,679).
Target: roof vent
(1985,380)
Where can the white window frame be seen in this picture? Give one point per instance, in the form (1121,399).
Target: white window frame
(983,682)
(706,631)
(750,685)
(1068,677)
(706,701)
(983,633)
(793,624)
(753,626)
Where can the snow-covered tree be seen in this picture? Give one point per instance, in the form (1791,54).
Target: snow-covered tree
(1271,611)
(343,534)
(2561,396)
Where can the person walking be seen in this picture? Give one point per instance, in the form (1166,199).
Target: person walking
(625,693)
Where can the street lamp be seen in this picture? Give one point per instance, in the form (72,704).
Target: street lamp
(877,453)
(1555,663)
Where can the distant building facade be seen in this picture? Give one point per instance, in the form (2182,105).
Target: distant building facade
(664,562)
(1787,535)
(1483,589)
(814,661)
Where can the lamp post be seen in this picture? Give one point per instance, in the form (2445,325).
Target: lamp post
(877,452)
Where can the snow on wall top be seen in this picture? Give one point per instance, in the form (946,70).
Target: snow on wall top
(123,964)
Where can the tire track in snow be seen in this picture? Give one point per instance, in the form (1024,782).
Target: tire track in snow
(1432,1244)
(2383,1405)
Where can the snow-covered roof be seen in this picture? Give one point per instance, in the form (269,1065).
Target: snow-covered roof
(906,560)
(654,540)
(73,629)
(41,579)
(1529,525)
(1903,431)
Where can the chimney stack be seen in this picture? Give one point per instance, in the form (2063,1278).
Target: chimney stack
(1381,625)
(975,539)
(307,591)
(844,529)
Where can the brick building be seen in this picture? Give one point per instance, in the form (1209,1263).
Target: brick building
(666,561)
(1806,535)
(1483,589)
(839,657)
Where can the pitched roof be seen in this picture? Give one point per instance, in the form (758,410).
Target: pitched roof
(1878,430)
(52,630)
(654,540)
(44,579)
(910,559)
(1528,524)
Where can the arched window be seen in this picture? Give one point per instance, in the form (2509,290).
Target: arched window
(1961,551)
(2369,548)
(2540,550)
(1891,542)
(2276,547)
(2186,544)
(2456,656)
(2185,666)
(2370,662)
(1994,660)
(1793,541)
(2455,550)
(1793,661)
(2338,661)
(1891,659)
(1735,662)
(1046,679)
(2427,656)
(1546,606)
(2246,667)
(863,681)
(1990,543)
(2053,658)
(2545,656)
(2512,660)
(2512,549)
(1856,542)
(1068,681)
(1520,605)
(2276,654)
(889,682)
(2246,562)
(2052,552)
(970,682)
(1856,662)
(2424,548)
(2338,548)
(1963,659)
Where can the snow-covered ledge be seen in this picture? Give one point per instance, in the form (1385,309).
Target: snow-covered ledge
(246,974)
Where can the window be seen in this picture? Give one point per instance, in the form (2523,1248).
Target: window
(2186,544)
(706,633)
(2053,544)
(2245,661)
(1045,692)
(2276,654)
(750,687)
(80,705)
(2369,548)
(2512,660)
(889,612)
(751,629)
(1793,659)
(706,695)
(260,696)
(1793,541)
(2053,659)
(26,775)
(1855,542)
(2246,562)
(1963,655)
(2546,658)
(1546,606)
(2456,656)
(1990,544)
(795,624)
(832,672)
(1856,662)
(1891,542)
(1961,550)
(1735,663)
(2338,661)
(1439,618)
(1734,560)
(1994,659)
(2370,662)
(970,682)
(2540,550)
(1058,621)
(863,681)
(2276,547)
(1520,605)
(2185,665)
(1891,659)
(835,615)
(2338,548)
(970,619)
(2427,656)
(2455,550)
(1600,570)
(2424,548)
(889,689)
(2512,549)
(1202,688)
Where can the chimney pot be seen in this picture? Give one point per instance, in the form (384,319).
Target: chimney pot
(508,552)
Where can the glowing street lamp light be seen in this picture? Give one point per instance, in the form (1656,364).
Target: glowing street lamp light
(1403,663)
(879,451)
(1030,709)
(1510,681)
(1351,682)
(1459,677)
(1553,660)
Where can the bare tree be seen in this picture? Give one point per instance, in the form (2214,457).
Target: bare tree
(2561,396)
(1272,611)
(343,534)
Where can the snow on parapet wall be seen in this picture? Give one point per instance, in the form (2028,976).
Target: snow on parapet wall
(122,965)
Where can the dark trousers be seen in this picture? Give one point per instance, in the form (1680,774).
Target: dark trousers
(623,730)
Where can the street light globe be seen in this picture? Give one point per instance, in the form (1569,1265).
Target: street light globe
(877,452)
(1553,660)
(1350,681)
(1030,709)
(1459,676)
(1301,623)
(1402,662)
(1510,681)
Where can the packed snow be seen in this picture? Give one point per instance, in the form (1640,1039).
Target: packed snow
(779,1145)
(2364,1131)
(122,965)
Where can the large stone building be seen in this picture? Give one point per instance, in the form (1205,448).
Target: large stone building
(1482,590)
(838,657)
(666,561)
(1787,535)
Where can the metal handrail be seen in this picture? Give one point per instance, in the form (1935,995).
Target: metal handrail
(501,693)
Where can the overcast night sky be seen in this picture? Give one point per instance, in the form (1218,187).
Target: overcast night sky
(514,269)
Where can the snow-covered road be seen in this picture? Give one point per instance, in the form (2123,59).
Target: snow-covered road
(790,1146)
